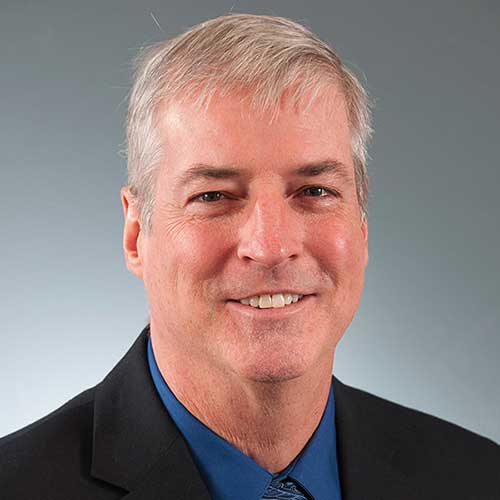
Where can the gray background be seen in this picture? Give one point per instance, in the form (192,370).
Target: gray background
(426,334)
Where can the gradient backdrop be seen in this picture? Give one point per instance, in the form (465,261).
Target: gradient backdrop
(427,331)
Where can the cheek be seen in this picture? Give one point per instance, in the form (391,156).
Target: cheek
(190,255)
(340,252)
(337,245)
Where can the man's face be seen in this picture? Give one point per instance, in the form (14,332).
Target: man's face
(279,214)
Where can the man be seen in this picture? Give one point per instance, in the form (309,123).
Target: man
(246,218)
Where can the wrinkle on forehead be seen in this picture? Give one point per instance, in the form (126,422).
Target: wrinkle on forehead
(229,133)
(333,102)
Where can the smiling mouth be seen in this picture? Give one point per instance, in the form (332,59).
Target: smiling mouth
(274,301)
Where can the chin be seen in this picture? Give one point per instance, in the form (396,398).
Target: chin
(273,378)
(275,369)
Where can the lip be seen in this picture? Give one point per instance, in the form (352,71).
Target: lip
(271,312)
(267,292)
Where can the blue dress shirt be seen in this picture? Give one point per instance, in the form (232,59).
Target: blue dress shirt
(229,473)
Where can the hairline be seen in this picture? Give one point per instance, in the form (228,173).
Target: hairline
(165,72)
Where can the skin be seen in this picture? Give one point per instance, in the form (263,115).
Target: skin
(260,382)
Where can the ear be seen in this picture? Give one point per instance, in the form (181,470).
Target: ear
(132,233)
(364,230)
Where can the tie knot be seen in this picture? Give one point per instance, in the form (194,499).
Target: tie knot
(284,489)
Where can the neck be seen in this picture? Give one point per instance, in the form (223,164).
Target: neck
(269,422)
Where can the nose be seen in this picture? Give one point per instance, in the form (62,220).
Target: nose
(272,233)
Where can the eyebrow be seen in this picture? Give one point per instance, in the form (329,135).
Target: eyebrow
(201,171)
(313,169)
(322,167)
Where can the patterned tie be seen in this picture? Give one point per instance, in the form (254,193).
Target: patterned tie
(284,489)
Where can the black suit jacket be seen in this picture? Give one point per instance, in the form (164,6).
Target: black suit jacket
(116,441)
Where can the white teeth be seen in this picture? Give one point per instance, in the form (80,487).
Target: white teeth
(254,301)
(265,301)
(278,300)
(271,301)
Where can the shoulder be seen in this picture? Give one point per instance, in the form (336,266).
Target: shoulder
(422,445)
(68,424)
(52,454)
(408,422)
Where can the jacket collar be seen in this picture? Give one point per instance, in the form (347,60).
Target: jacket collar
(137,447)
(369,447)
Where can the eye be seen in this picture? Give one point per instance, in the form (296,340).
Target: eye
(317,192)
(210,196)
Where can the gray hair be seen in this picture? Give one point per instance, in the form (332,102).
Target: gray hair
(262,54)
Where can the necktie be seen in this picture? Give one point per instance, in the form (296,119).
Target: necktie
(284,489)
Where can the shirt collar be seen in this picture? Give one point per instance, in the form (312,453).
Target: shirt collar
(229,473)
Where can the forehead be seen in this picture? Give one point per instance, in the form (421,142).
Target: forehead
(232,132)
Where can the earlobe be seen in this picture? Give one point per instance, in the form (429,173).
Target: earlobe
(131,233)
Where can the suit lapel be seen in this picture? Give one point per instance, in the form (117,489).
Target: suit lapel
(173,476)
(367,450)
(136,446)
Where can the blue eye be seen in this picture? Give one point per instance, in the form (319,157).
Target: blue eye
(210,196)
(309,192)
(317,192)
